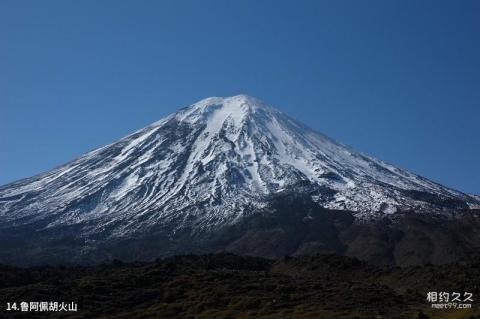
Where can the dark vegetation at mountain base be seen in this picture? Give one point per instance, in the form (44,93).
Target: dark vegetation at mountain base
(230,286)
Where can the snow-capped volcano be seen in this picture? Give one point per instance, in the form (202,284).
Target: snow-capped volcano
(209,165)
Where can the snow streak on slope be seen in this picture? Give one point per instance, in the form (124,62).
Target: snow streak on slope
(208,165)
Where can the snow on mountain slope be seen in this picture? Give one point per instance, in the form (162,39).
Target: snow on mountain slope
(208,165)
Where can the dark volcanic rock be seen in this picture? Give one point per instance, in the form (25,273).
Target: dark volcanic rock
(292,225)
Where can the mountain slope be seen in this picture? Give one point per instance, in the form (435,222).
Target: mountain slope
(208,166)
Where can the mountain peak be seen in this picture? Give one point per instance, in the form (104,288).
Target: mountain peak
(235,101)
(216,110)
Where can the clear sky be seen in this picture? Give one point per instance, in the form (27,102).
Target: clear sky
(398,80)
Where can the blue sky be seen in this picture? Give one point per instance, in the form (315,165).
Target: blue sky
(398,80)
